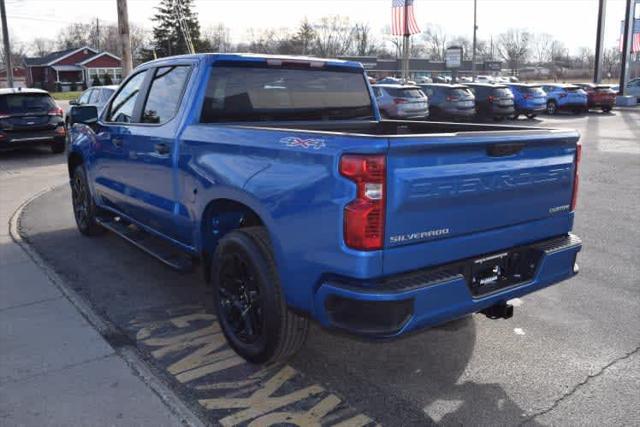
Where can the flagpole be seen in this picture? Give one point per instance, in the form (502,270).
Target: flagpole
(405,44)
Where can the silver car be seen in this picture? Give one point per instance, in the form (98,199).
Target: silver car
(401,102)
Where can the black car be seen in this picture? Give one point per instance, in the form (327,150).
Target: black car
(97,96)
(451,102)
(30,117)
(492,100)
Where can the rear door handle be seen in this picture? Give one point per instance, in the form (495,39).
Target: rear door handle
(161,148)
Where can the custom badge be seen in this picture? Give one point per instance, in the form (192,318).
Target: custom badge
(294,141)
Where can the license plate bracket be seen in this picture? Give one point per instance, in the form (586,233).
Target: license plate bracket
(497,271)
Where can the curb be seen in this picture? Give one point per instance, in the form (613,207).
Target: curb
(129,354)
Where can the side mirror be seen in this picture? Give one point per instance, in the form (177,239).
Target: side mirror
(86,114)
(74,102)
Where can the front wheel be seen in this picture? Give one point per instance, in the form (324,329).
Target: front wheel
(84,208)
(249,301)
(552,107)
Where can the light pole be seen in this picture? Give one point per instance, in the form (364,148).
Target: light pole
(597,73)
(473,52)
(7,47)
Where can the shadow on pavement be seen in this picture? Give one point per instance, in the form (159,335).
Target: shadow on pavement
(416,380)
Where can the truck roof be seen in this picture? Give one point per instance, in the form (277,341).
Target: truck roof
(256,57)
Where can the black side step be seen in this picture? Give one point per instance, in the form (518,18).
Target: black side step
(154,246)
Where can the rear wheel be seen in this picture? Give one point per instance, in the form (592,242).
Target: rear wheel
(57,147)
(84,208)
(552,107)
(249,302)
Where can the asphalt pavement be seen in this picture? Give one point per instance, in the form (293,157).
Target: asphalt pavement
(569,356)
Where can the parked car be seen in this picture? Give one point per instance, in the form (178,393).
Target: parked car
(565,97)
(30,117)
(97,95)
(484,79)
(450,101)
(401,101)
(442,79)
(302,204)
(633,88)
(492,100)
(424,79)
(389,81)
(529,99)
(599,96)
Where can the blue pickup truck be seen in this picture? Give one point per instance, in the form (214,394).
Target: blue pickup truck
(277,177)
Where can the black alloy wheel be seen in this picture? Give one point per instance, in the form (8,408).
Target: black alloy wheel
(84,208)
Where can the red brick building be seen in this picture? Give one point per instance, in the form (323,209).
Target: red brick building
(19,77)
(72,69)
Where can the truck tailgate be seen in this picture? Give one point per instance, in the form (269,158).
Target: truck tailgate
(450,185)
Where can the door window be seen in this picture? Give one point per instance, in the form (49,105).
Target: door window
(164,94)
(123,104)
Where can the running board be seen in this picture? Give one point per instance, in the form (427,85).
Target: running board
(152,245)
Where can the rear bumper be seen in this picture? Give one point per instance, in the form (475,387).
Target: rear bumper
(399,304)
(11,140)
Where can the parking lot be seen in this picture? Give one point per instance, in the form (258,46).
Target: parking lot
(570,355)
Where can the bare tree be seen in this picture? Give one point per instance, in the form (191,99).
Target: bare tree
(585,57)
(219,37)
(41,46)
(467,46)
(334,36)
(513,47)
(435,39)
(611,59)
(541,48)
(364,41)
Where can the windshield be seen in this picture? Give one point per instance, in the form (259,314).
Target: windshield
(25,103)
(404,93)
(249,93)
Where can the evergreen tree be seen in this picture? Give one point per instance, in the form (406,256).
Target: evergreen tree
(168,38)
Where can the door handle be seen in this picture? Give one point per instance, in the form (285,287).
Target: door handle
(161,148)
(117,141)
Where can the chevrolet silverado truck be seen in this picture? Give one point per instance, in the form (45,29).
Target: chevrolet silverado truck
(278,179)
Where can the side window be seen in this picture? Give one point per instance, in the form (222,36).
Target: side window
(84,98)
(95,96)
(106,94)
(121,110)
(164,94)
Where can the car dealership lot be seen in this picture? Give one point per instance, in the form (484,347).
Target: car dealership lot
(568,356)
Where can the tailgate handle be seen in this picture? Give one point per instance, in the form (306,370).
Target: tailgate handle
(499,150)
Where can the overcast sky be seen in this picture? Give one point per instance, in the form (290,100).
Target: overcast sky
(571,21)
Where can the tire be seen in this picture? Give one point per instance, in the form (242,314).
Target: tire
(248,299)
(531,116)
(606,109)
(57,147)
(552,108)
(84,208)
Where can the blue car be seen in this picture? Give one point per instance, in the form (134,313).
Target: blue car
(565,97)
(529,99)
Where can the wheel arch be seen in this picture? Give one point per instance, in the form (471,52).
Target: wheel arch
(219,217)
(74,160)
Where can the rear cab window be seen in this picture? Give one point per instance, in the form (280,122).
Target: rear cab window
(404,93)
(26,103)
(250,93)
(459,92)
(502,92)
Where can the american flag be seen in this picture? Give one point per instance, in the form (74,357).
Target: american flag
(400,26)
(635,38)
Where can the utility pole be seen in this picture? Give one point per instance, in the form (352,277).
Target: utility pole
(125,40)
(7,47)
(597,72)
(98,33)
(475,30)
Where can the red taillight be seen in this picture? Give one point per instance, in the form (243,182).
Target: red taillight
(576,177)
(399,101)
(60,130)
(57,111)
(528,96)
(491,98)
(452,98)
(364,217)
